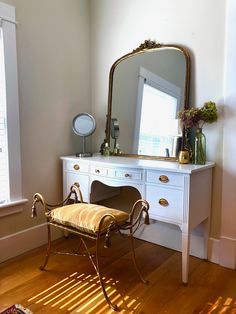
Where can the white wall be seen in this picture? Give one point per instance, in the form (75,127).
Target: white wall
(117,27)
(228,215)
(54,86)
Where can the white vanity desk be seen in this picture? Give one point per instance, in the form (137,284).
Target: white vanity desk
(177,194)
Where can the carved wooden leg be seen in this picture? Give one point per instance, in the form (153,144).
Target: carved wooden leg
(48,249)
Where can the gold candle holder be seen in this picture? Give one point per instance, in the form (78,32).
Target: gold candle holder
(184,157)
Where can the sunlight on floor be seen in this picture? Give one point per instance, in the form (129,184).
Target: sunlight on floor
(221,305)
(82,293)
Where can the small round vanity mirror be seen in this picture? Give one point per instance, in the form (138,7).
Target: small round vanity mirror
(83,125)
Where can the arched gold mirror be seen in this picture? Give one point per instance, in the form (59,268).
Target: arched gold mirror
(147,88)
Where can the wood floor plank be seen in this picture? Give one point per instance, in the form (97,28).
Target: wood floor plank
(69,285)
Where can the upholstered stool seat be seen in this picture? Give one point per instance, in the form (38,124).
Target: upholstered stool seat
(91,221)
(87,217)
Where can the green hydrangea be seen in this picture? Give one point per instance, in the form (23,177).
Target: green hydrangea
(209,112)
(196,117)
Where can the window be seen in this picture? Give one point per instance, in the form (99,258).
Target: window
(10,157)
(157,131)
(156,124)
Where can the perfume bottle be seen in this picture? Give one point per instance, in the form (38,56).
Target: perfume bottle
(116,150)
(106,150)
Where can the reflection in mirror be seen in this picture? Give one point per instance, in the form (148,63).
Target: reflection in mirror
(147,89)
(115,131)
(156,124)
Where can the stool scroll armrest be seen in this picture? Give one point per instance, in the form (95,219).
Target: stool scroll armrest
(75,189)
(38,198)
(146,219)
(112,224)
(139,208)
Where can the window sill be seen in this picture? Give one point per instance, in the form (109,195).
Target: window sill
(12,207)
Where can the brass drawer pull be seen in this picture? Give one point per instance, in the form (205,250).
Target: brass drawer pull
(76,167)
(127,175)
(97,171)
(163,202)
(163,179)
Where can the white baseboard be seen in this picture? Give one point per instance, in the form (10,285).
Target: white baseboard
(25,240)
(227,249)
(221,251)
(214,250)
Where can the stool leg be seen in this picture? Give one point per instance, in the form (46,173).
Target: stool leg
(98,270)
(97,266)
(48,249)
(134,258)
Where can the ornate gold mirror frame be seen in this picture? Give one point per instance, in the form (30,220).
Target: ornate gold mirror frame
(147,47)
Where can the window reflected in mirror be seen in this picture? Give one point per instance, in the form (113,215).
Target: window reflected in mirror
(156,127)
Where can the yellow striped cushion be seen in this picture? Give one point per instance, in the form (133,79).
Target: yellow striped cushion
(86,217)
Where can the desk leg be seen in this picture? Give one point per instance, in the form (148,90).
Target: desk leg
(185,257)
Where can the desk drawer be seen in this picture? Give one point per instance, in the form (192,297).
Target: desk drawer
(165,202)
(165,178)
(98,170)
(128,174)
(76,166)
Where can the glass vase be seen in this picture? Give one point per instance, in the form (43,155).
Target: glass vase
(187,146)
(199,148)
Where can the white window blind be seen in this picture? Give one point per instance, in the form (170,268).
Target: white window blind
(4,167)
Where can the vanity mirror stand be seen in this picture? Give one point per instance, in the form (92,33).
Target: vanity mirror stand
(155,87)
(83,125)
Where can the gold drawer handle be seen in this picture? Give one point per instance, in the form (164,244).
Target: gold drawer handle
(76,167)
(163,202)
(127,175)
(77,184)
(97,171)
(163,179)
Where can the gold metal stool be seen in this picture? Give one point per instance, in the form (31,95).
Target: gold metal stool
(91,221)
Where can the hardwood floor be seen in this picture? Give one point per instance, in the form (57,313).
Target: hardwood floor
(69,284)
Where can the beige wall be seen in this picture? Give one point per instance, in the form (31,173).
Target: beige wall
(117,27)
(54,86)
(55,56)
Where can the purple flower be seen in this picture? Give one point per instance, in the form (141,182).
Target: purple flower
(196,117)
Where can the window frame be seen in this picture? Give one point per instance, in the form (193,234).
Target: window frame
(8,25)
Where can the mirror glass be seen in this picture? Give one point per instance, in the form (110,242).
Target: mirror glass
(147,89)
(83,125)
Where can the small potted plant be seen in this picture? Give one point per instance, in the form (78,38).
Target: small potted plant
(196,118)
